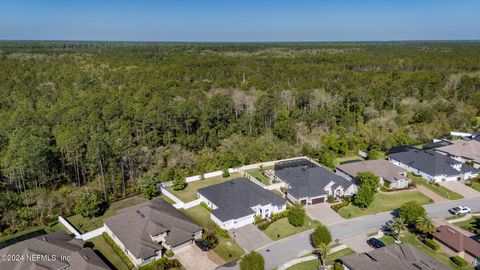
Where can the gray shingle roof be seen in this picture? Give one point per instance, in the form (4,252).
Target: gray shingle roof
(53,244)
(382,168)
(393,257)
(431,162)
(235,198)
(307,179)
(135,225)
(469,149)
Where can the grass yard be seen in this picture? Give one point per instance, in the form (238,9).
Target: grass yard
(313,264)
(257,173)
(411,239)
(440,190)
(226,249)
(107,253)
(470,224)
(84,225)
(282,228)
(190,192)
(476,186)
(341,160)
(384,202)
(53,227)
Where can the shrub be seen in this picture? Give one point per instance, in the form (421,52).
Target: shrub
(204,205)
(337,206)
(88,203)
(297,216)
(169,253)
(222,232)
(211,239)
(321,235)
(118,250)
(162,263)
(258,219)
(459,261)
(226,173)
(179,184)
(411,211)
(148,186)
(263,225)
(431,244)
(252,261)
(330,199)
(280,215)
(338,266)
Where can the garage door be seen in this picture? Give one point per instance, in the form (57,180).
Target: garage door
(318,200)
(303,201)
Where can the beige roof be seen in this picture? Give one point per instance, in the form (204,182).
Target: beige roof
(462,148)
(135,225)
(39,253)
(382,168)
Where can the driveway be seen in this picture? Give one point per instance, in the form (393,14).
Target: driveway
(358,243)
(461,188)
(192,258)
(323,213)
(249,237)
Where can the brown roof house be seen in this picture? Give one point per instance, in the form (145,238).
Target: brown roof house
(391,175)
(144,232)
(392,257)
(456,243)
(50,252)
(465,151)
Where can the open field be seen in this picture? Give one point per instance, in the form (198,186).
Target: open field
(384,202)
(440,190)
(189,193)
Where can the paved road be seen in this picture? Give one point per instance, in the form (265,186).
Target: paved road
(285,250)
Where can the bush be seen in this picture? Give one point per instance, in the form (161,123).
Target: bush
(118,250)
(226,173)
(338,266)
(297,216)
(204,205)
(431,244)
(88,203)
(459,261)
(179,184)
(161,264)
(169,253)
(258,219)
(411,211)
(222,232)
(321,235)
(263,225)
(252,261)
(330,199)
(148,186)
(337,206)
(280,215)
(211,239)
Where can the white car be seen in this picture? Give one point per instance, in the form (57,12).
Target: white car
(459,210)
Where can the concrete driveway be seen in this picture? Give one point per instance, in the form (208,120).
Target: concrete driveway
(249,237)
(461,188)
(192,258)
(323,213)
(358,243)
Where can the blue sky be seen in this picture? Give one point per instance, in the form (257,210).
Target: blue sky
(247,20)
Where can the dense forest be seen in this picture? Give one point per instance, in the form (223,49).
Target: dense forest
(103,115)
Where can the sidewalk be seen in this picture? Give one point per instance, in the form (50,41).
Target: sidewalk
(432,195)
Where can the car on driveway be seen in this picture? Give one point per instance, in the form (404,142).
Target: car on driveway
(375,243)
(202,244)
(459,210)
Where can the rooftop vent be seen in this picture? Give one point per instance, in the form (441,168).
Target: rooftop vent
(85,257)
(140,213)
(44,239)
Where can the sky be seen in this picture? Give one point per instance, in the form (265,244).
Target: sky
(240,21)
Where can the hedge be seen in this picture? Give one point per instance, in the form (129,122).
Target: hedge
(337,206)
(162,263)
(431,244)
(459,261)
(118,250)
(338,266)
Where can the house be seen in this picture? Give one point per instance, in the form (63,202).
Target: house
(308,183)
(432,166)
(390,175)
(436,144)
(465,151)
(456,243)
(235,203)
(392,257)
(145,231)
(50,252)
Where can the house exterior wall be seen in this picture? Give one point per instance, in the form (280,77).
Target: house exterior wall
(233,223)
(291,198)
(430,178)
(205,200)
(136,261)
(401,183)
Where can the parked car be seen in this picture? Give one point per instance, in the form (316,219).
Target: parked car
(460,210)
(202,244)
(375,243)
(389,223)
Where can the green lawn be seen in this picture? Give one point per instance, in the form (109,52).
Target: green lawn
(411,239)
(226,249)
(313,264)
(84,225)
(384,202)
(53,227)
(190,192)
(440,190)
(257,173)
(282,228)
(476,186)
(107,253)
(341,160)
(470,224)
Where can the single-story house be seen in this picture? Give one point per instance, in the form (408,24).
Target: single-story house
(51,252)
(392,257)
(432,165)
(308,183)
(237,202)
(456,243)
(145,231)
(465,151)
(389,174)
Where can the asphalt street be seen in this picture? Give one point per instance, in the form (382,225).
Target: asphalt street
(285,250)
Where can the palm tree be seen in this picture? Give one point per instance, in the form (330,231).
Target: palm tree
(323,249)
(425,225)
(399,225)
